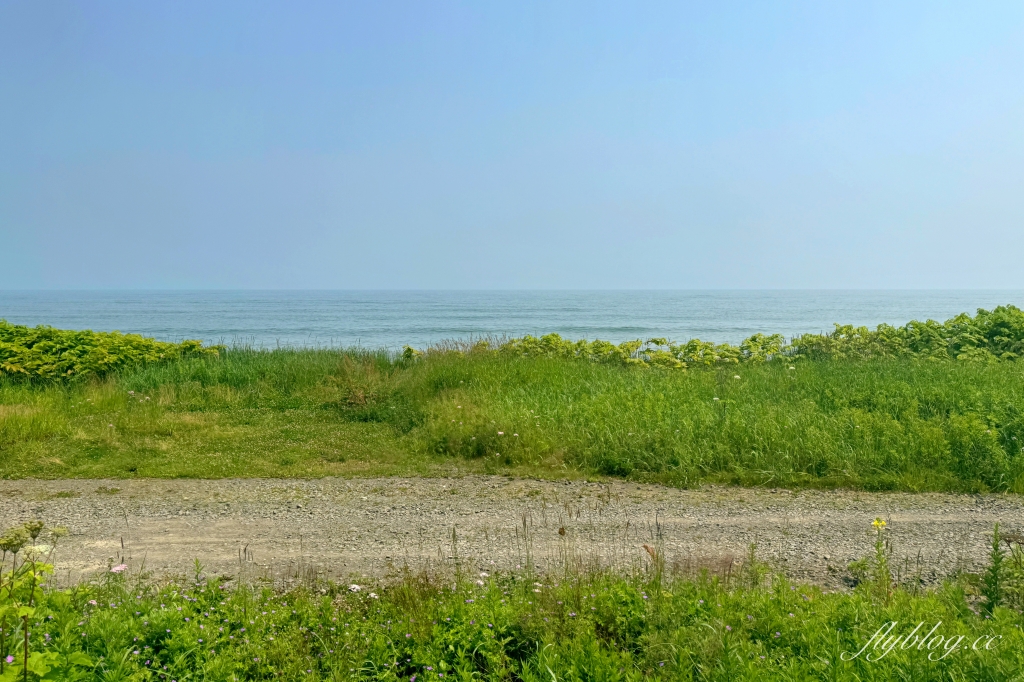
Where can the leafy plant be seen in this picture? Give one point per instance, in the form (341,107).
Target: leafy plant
(989,335)
(21,590)
(48,353)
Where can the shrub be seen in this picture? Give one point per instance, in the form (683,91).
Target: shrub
(989,335)
(46,353)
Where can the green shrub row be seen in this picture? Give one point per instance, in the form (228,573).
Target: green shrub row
(47,353)
(989,335)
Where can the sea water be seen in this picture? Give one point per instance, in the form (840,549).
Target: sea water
(392,319)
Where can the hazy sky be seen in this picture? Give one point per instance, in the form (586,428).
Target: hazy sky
(511,145)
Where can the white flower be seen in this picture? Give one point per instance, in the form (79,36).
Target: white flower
(484,575)
(373,595)
(792,367)
(715,398)
(736,377)
(354,588)
(480,583)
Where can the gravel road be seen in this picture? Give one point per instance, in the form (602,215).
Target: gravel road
(344,528)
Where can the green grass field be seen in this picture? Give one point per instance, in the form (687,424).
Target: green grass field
(879,424)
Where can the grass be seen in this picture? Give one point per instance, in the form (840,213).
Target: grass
(464,623)
(877,424)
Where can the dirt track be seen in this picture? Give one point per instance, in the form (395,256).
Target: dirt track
(373,526)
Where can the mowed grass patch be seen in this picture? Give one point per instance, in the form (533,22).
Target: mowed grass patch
(186,429)
(249,443)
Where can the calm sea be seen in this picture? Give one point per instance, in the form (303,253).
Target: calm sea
(394,318)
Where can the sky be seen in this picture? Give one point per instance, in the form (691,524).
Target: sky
(523,145)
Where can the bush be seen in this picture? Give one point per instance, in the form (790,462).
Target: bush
(989,335)
(46,353)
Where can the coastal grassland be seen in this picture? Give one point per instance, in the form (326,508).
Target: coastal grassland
(463,623)
(245,414)
(900,423)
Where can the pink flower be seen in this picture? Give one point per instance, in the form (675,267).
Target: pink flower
(120,568)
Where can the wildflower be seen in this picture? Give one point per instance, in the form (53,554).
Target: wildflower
(792,367)
(92,602)
(878,523)
(736,377)
(408,635)
(480,582)
(9,659)
(501,433)
(354,588)
(373,595)
(120,568)
(715,398)
(728,628)
(483,575)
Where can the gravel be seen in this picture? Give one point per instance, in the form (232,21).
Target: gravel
(353,528)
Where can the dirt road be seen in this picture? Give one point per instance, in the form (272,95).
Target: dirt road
(369,527)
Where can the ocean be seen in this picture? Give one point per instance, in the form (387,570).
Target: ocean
(392,319)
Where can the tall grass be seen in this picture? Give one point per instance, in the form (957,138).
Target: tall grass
(880,424)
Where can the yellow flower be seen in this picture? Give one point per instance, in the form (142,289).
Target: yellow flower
(878,523)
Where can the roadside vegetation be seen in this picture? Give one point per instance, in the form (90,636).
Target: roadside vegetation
(465,622)
(927,406)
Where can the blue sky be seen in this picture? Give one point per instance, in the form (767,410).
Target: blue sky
(511,145)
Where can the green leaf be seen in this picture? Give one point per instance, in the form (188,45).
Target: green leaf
(79,658)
